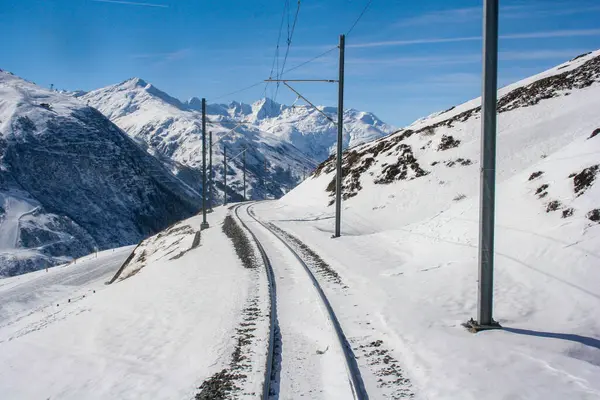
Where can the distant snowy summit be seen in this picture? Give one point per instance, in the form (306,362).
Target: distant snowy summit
(300,125)
(284,143)
(304,127)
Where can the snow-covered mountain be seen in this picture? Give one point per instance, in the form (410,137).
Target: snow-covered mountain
(284,143)
(71,181)
(541,119)
(171,131)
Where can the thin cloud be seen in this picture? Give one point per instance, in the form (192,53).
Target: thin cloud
(168,56)
(414,41)
(539,55)
(512,36)
(456,15)
(162,59)
(132,3)
(555,10)
(462,15)
(552,34)
(420,61)
(464,58)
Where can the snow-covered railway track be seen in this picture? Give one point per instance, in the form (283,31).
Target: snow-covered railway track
(273,315)
(316,358)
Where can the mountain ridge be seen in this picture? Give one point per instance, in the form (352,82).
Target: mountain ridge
(171,130)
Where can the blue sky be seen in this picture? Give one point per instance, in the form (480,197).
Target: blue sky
(405,59)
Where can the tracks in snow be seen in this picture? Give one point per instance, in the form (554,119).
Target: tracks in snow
(317,360)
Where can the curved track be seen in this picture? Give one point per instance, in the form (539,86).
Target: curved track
(273,314)
(343,352)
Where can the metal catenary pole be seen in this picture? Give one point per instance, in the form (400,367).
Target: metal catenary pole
(210,172)
(244,174)
(204,224)
(340,126)
(224,175)
(488,163)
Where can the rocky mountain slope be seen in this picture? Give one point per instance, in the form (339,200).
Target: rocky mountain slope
(542,122)
(284,143)
(71,181)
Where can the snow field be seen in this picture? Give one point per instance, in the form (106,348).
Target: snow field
(157,334)
(408,251)
(418,283)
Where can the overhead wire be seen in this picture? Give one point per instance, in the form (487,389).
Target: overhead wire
(282,71)
(310,60)
(275,62)
(289,43)
(359,17)
(238,91)
(362,13)
(276,55)
(289,40)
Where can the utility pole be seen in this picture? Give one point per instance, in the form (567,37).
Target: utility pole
(224,175)
(488,169)
(210,172)
(244,174)
(204,224)
(290,178)
(340,126)
(265,178)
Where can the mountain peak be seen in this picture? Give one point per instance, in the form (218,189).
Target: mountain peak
(136,82)
(266,108)
(194,103)
(139,83)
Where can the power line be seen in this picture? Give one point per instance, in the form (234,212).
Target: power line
(276,55)
(275,62)
(238,91)
(310,60)
(289,43)
(359,17)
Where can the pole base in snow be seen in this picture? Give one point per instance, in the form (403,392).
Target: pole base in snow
(474,327)
(204,226)
(196,241)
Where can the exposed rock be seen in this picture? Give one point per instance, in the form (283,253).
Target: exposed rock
(535,175)
(541,191)
(448,142)
(553,206)
(552,86)
(594,215)
(407,167)
(584,179)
